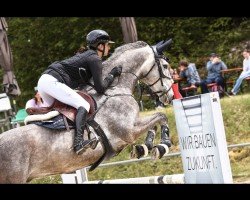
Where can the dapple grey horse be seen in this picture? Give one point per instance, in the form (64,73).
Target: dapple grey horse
(32,151)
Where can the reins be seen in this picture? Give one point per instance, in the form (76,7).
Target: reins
(161,76)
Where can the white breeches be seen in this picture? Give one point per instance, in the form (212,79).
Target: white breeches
(50,89)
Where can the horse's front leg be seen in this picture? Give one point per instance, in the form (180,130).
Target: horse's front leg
(147,123)
(143,124)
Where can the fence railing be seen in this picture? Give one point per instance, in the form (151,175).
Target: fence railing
(81,176)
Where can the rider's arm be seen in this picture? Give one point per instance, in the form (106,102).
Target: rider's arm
(96,71)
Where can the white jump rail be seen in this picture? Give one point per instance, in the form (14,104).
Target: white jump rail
(81,175)
(166,179)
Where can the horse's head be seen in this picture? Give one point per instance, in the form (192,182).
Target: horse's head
(158,76)
(145,63)
(155,72)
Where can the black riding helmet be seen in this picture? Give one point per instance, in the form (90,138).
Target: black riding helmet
(96,37)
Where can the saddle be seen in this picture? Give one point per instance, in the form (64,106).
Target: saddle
(66,110)
(70,113)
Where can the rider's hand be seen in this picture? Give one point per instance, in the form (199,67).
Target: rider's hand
(116,71)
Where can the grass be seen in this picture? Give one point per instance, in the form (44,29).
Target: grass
(236,117)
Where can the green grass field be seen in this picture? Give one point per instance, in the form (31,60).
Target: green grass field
(236,117)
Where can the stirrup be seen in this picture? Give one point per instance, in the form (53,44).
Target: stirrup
(82,146)
(94,142)
(94,139)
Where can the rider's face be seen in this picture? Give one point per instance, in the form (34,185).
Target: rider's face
(107,48)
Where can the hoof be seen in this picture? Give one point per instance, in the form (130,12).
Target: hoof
(139,151)
(159,151)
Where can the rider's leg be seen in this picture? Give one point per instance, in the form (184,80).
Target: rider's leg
(65,94)
(80,144)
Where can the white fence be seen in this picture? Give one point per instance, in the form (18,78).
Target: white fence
(81,176)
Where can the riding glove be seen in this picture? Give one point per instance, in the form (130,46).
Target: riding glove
(116,71)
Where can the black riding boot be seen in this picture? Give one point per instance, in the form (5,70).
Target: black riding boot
(80,145)
(165,136)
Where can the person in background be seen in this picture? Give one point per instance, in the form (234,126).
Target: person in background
(213,66)
(244,74)
(190,73)
(36,102)
(176,86)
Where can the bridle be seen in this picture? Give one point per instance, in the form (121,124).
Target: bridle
(163,92)
(161,74)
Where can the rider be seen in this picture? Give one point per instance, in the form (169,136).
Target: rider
(61,78)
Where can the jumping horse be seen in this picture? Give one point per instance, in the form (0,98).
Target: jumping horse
(33,151)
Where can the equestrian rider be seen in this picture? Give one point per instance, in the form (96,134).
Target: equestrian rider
(61,78)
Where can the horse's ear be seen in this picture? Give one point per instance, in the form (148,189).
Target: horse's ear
(159,43)
(161,46)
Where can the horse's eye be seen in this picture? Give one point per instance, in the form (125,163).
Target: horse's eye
(165,66)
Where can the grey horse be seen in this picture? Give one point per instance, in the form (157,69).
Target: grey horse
(32,151)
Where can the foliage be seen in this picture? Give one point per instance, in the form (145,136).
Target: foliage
(38,41)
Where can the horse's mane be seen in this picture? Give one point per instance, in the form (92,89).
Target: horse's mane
(111,61)
(120,50)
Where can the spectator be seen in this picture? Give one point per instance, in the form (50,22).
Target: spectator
(244,74)
(189,72)
(36,102)
(214,66)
